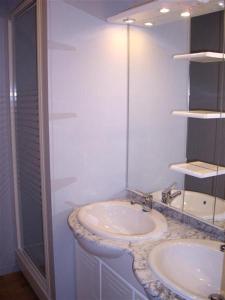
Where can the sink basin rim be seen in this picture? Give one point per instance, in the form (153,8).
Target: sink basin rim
(160,229)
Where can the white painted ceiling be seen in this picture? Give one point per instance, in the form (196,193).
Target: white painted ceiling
(99,8)
(104,9)
(150,12)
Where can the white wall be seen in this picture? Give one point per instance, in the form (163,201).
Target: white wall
(87,106)
(7,221)
(158,85)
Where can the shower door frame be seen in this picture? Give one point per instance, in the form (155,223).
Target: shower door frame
(43,286)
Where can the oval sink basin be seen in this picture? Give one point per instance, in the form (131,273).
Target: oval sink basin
(120,220)
(190,268)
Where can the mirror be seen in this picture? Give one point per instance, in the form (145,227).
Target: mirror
(176,107)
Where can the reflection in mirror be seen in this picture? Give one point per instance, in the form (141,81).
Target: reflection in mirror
(203,140)
(176,119)
(219,182)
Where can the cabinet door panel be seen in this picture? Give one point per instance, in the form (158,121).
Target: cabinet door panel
(113,288)
(88,276)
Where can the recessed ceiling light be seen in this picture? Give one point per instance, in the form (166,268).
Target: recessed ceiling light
(164,10)
(129,21)
(185,14)
(221,3)
(148,24)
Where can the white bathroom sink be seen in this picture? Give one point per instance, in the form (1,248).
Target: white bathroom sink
(190,268)
(118,219)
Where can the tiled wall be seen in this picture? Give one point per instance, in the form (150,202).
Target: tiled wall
(88,109)
(7,220)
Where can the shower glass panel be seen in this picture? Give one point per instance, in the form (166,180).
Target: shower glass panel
(27,134)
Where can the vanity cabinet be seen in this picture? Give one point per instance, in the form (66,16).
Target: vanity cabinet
(96,280)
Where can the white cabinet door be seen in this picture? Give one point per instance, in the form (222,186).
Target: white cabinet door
(113,288)
(95,280)
(87,276)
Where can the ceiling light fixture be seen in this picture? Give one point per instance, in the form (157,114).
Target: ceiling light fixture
(185,14)
(164,10)
(149,24)
(221,3)
(129,21)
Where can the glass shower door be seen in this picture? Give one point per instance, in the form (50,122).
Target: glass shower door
(27,137)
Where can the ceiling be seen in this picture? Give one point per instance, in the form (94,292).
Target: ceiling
(150,13)
(104,9)
(99,8)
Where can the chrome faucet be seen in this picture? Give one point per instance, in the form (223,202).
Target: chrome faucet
(145,201)
(168,196)
(222,248)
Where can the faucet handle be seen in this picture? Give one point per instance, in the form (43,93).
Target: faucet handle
(169,188)
(222,248)
(147,202)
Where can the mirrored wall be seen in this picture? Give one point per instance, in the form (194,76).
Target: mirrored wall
(177,111)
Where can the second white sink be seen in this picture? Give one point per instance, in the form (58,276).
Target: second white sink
(118,219)
(190,268)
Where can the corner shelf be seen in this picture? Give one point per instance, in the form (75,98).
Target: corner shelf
(199,114)
(202,57)
(198,169)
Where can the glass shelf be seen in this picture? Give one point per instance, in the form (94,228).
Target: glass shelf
(199,114)
(201,57)
(198,169)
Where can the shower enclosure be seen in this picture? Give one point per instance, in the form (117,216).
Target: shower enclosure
(28,95)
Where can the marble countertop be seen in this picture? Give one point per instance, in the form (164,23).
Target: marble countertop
(140,252)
